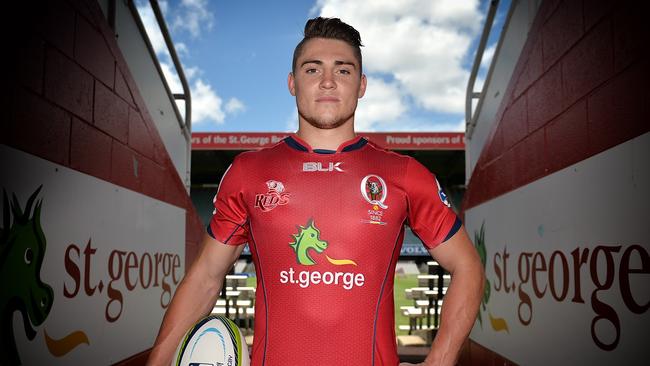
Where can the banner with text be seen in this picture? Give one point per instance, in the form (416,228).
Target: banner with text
(567,263)
(391,141)
(89,266)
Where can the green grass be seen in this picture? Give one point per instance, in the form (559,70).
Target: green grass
(402,282)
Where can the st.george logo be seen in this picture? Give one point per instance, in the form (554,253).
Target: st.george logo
(308,240)
(274,197)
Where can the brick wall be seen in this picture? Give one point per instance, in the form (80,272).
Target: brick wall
(579,88)
(70,99)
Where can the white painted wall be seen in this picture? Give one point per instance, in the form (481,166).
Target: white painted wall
(84,212)
(601,201)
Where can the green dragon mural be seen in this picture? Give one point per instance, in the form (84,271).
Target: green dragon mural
(479,242)
(498,324)
(22,249)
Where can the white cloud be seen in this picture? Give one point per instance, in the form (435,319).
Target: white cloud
(206,104)
(488,54)
(181,49)
(420,43)
(153,30)
(235,106)
(291,123)
(193,16)
(172,78)
(382,103)
(408,124)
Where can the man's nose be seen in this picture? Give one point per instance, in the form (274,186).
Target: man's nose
(327,81)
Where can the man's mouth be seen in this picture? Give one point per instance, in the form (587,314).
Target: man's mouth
(327,99)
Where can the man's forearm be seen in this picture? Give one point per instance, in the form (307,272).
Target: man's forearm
(460,308)
(194,298)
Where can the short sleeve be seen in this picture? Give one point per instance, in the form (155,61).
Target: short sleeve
(229,218)
(429,211)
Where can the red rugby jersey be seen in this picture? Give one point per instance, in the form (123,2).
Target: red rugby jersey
(325,230)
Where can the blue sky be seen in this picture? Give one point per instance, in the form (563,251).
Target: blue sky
(237,55)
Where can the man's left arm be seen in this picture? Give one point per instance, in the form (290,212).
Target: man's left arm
(461,302)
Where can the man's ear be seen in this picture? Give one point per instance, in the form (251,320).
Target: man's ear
(291,83)
(362,87)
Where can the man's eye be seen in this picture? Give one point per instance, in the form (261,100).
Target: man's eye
(310,71)
(345,72)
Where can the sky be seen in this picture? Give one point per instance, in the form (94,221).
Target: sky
(417,56)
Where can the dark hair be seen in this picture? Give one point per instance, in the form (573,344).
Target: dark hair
(331,28)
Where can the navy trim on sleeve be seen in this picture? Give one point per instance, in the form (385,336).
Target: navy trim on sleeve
(454,229)
(209,230)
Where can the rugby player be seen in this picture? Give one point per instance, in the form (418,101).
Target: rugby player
(324,212)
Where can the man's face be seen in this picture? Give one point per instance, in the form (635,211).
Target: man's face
(327,83)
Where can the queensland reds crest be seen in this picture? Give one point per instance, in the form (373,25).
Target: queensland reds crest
(275,196)
(374,190)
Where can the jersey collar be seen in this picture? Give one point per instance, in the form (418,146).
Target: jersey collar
(296,143)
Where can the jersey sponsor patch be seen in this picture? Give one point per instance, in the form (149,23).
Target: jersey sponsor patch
(309,248)
(275,196)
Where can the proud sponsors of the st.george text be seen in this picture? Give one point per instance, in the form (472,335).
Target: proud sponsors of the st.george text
(110,263)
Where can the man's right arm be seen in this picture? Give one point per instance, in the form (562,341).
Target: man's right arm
(195,296)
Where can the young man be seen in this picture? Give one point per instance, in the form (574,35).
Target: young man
(323,212)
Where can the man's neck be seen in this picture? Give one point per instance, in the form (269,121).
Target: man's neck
(327,139)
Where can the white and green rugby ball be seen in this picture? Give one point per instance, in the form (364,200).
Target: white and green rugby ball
(213,341)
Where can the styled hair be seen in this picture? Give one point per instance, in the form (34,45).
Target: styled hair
(330,28)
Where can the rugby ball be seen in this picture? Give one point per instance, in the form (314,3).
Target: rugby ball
(213,341)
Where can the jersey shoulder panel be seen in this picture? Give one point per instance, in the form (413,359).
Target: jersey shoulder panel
(261,155)
(388,154)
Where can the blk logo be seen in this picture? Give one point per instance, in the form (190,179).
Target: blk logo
(318,167)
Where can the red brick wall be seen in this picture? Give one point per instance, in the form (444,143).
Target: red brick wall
(70,99)
(579,88)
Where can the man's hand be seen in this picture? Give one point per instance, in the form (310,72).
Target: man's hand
(194,297)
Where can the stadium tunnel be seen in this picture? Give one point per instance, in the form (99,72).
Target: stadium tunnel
(95,154)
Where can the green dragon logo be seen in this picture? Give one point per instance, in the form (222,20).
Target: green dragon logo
(497,324)
(308,240)
(22,249)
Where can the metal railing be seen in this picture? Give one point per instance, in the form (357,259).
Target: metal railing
(470,95)
(185,124)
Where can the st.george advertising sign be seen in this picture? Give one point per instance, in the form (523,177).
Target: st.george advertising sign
(88,267)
